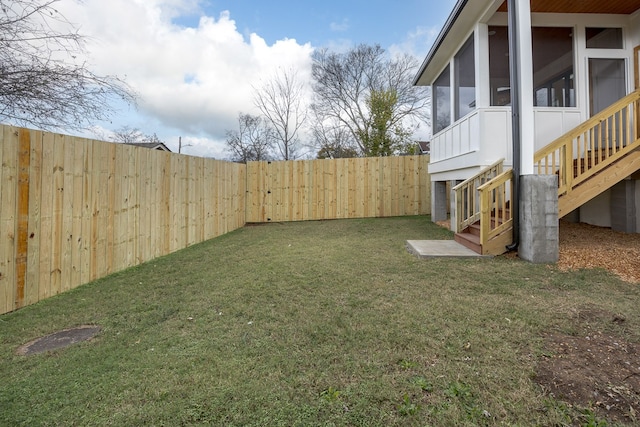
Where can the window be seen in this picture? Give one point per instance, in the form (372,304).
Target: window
(604,38)
(553,66)
(553,70)
(465,80)
(442,101)
(499,79)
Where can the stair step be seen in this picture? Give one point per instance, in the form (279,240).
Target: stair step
(473,229)
(470,241)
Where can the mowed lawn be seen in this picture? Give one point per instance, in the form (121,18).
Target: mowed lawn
(312,323)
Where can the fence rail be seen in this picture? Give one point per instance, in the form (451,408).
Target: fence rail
(73,210)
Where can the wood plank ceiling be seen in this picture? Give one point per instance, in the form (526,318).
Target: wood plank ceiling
(623,7)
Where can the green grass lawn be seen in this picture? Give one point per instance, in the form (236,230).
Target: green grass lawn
(314,323)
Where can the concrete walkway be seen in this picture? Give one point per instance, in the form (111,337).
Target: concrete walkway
(440,249)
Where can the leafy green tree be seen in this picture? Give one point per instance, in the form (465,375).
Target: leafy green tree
(370,95)
(384,137)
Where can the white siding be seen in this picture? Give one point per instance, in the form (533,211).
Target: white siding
(456,140)
(551,123)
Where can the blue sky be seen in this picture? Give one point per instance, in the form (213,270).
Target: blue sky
(194,62)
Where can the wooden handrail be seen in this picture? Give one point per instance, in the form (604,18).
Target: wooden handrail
(593,145)
(484,171)
(496,216)
(467,202)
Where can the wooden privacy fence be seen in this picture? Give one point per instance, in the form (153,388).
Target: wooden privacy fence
(341,188)
(73,210)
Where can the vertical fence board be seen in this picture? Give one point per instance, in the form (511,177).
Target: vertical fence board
(89,177)
(66,262)
(57,222)
(34,234)
(46,216)
(76,238)
(22,215)
(9,179)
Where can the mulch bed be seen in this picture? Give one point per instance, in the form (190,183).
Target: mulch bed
(588,246)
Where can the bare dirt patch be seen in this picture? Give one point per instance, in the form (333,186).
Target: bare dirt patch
(58,340)
(594,370)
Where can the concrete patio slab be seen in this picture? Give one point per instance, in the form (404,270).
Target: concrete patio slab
(440,249)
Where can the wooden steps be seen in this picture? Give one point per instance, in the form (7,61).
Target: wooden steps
(470,236)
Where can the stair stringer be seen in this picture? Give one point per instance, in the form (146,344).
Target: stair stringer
(598,183)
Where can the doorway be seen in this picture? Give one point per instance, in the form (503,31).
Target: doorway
(607,83)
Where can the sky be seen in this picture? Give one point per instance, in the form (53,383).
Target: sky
(194,63)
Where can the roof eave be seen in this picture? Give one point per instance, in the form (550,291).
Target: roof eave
(451,20)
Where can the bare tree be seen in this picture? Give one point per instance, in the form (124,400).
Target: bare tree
(128,135)
(345,84)
(280,101)
(333,142)
(252,141)
(43,82)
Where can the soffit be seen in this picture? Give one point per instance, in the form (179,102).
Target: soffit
(622,7)
(468,11)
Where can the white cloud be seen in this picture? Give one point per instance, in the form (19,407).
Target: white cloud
(416,42)
(339,26)
(191,80)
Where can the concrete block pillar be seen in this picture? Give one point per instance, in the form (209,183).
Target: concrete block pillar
(438,201)
(623,206)
(539,228)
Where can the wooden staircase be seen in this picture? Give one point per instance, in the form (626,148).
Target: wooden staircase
(587,160)
(483,215)
(470,236)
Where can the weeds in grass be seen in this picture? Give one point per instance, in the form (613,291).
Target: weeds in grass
(407,364)
(245,329)
(407,407)
(591,420)
(331,394)
(423,383)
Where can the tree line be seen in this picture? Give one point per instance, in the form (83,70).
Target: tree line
(358,103)
(363,103)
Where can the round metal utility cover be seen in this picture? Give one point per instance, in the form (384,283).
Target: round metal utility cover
(59,339)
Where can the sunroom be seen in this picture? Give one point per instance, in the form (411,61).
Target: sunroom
(572,61)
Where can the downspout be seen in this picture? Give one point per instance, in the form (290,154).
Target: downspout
(514,54)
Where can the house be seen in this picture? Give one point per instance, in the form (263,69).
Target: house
(151,145)
(424,147)
(535,117)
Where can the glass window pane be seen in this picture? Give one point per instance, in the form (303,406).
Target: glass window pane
(553,66)
(442,101)
(604,38)
(499,78)
(542,97)
(465,80)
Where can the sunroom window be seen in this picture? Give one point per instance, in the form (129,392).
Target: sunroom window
(553,68)
(465,80)
(604,38)
(442,101)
